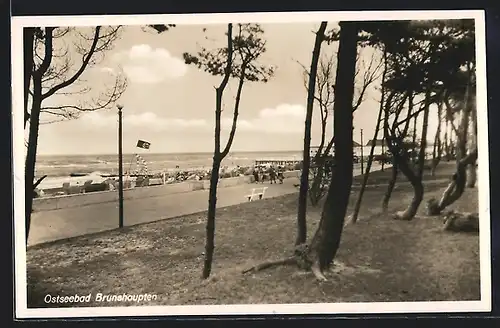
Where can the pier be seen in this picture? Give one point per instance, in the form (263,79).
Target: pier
(276,162)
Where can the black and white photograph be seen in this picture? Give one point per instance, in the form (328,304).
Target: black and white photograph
(252,163)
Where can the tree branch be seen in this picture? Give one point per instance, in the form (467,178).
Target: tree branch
(47,58)
(370,75)
(229,63)
(235,114)
(86,60)
(39,181)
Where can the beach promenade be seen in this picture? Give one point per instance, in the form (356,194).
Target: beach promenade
(70,222)
(51,225)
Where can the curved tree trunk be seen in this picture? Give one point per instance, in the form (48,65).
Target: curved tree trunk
(390,187)
(457,184)
(304,178)
(325,243)
(455,188)
(418,191)
(395,148)
(415,178)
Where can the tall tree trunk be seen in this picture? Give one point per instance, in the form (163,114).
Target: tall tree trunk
(423,141)
(326,240)
(434,160)
(212,206)
(383,153)
(218,156)
(471,169)
(357,206)
(304,178)
(414,138)
(28,41)
(390,186)
(29,174)
(212,195)
(436,150)
(472,175)
(446,144)
(451,139)
(36,108)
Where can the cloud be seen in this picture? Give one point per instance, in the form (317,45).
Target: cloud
(147,120)
(143,64)
(107,70)
(282,119)
(284,111)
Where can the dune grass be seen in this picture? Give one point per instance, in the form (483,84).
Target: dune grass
(379,259)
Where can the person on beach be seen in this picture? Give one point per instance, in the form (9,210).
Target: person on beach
(256,175)
(272,175)
(280,174)
(262,174)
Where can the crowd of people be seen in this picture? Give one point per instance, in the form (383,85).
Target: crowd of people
(271,173)
(261,173)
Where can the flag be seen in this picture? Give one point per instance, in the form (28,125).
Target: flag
(143,144)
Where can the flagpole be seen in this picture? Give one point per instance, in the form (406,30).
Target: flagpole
(120,167)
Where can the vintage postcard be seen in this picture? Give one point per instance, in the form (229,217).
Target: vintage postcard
(253,163)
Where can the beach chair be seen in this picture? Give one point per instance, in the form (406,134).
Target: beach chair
(256,192)
(65,188)
(86,186)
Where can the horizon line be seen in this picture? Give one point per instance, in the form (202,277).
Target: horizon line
(176,153)
(429,144)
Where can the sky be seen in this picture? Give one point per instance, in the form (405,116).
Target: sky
(171,104)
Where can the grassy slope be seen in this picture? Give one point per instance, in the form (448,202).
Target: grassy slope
(379,260)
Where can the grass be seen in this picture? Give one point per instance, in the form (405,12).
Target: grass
(382,177)
(379,259)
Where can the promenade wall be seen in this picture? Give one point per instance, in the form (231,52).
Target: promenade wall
(77,200)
